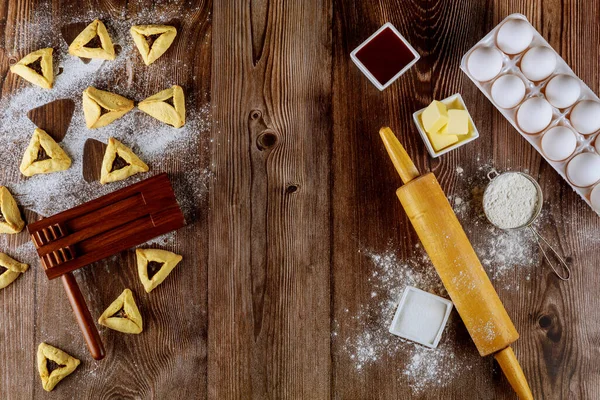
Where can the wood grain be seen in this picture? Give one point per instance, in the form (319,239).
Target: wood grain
(269,253)
(274,271)
(555,337)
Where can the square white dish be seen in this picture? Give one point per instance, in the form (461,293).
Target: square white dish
(421,317)
(455,102)
(364,69)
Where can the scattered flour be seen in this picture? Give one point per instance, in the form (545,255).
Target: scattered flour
(420,367)
(162,147)
(501,252)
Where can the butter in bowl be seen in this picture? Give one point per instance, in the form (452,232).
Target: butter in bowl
(445,125)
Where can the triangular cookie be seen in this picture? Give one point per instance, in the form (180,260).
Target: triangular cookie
(10,269)
(43,155)
(100,107)
(93,42)
(152,40)
(120,163)
(154,266)
(123,315)
(36,68)
(54,365)
(10,216)
(158,106)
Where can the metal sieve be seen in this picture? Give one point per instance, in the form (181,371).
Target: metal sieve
(492,175)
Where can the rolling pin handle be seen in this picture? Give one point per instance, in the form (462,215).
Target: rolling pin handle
(83,316)
(400,158)
(512,369)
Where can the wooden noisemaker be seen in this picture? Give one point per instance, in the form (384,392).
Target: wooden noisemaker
(457,264)
(98,229)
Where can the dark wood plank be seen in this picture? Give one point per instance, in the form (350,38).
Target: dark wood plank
(375,251)
(269,221)
(293,261)
(169,358)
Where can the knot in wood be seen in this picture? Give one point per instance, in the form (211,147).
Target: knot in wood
(545,321)
(255,114)
(266,140)
(291,188)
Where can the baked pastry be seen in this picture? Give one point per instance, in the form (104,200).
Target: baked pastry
(36,67)
(10,216)
(93,42)
(43,155)
(100,107)
(152,40)
(154,266)
(167,106)
(120,163)
(10,270)
(54,365)
(123,315)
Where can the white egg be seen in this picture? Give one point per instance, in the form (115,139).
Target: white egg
(584,169)
(538,63)
(514,36)
(485,63)
(534,115)
(595,198)
(559,143)
(585,117)
(508,91)
(563,91)
(598,144)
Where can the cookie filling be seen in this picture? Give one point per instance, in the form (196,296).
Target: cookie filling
(118,163)
(170,102)
(51,365)
(42,155)
(119,314)
(150,39)
(94,43)
(153,267)
(36,66)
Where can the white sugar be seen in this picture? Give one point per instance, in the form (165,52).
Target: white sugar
(420,367)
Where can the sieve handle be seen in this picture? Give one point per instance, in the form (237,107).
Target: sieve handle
(565,267)
(493,174)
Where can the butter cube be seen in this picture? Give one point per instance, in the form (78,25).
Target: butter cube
(434,117)
(441,141)
(458,123)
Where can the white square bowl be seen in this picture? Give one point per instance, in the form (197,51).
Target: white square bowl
(364,69)
(431,311)
(454,102)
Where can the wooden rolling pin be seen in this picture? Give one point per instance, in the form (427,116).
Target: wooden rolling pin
(457,264)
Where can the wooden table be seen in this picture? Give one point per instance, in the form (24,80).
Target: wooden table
(280,264)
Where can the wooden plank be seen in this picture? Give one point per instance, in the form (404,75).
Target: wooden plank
(269,234)
(375,250)
(169,358)
(302,232)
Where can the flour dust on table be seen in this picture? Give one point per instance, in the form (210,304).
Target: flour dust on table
(420,367)
(500,251)
(155,142)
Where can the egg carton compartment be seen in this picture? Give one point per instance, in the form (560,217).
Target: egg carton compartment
(497,74)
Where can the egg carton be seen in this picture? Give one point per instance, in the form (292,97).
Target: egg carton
(511,65)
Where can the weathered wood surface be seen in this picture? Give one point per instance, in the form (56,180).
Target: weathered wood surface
(275,273)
